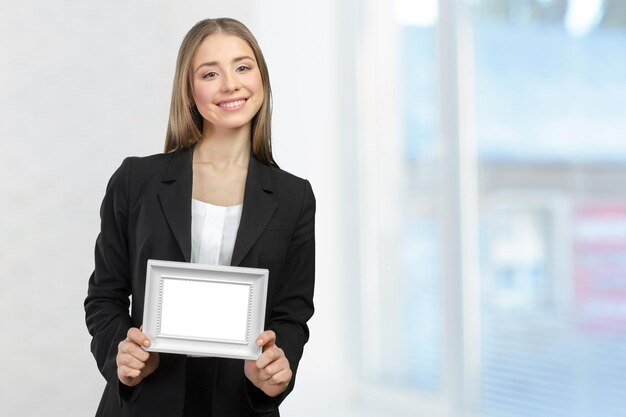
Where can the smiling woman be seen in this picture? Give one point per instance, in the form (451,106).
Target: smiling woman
(217,197)
(186,127)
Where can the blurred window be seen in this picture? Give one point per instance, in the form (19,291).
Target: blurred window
(550,100)
(548,83)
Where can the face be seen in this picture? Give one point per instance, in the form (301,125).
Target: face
(227,86)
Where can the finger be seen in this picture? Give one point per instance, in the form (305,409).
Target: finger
(274,368)
(134,350)
(269,356)
(129,361)
(126,372)
(281,378)
(137,336)
(266,339)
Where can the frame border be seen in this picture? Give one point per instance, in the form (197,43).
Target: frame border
(157,271)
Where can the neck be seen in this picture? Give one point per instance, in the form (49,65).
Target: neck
(225,147)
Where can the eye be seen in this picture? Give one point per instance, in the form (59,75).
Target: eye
(210,74)
(243,68)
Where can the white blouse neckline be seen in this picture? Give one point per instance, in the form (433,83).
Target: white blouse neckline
(195,200)
(213,232)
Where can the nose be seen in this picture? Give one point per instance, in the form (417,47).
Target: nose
(230,82)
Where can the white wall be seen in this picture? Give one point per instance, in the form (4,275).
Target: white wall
(84,84)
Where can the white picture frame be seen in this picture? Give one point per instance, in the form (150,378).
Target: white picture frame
(204,310)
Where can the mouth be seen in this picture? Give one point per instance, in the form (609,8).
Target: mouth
(232,104)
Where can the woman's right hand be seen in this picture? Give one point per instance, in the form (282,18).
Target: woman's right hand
(134,363)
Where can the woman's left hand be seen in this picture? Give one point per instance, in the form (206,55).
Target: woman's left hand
(270,372)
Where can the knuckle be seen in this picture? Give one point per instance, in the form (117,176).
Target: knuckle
(128,349)
(134,334)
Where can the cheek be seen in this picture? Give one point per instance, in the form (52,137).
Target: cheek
(202,96)
(258,88)
(258,85)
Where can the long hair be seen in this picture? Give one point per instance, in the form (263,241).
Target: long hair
(185,124)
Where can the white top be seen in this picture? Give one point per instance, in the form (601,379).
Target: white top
(213,232)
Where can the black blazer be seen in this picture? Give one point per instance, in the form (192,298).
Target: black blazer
(146,214)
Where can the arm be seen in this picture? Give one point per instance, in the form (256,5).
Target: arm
(107,302)
(115,344)
(292,309)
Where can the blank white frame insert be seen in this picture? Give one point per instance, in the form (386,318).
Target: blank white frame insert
(188,306)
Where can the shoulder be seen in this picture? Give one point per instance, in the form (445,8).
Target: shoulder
(145,164)
(295,194)
(292,187)
(137,173)
(286,178)
(140,169)
(279,178)
(149,165)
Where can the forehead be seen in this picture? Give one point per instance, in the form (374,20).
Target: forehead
(221,48)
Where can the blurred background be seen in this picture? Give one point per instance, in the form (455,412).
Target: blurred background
(469,163)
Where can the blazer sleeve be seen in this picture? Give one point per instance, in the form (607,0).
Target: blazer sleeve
(293,305)
(107,303)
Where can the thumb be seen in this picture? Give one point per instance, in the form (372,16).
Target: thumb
(266,339)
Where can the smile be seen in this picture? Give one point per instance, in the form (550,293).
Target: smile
(232,105)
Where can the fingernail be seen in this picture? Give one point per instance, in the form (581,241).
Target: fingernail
(146,343)
(259,342)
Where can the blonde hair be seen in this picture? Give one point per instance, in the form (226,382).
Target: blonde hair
(185,124)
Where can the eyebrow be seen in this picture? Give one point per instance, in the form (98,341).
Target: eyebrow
(215,63)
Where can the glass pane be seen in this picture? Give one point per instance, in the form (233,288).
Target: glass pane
(551,94)
(422,331)
(551,84)
(410,260)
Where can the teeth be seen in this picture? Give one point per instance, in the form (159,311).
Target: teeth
(233,104)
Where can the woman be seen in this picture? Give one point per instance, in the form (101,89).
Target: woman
(216,196)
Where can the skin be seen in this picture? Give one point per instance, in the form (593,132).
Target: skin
(270,373)
(224,71)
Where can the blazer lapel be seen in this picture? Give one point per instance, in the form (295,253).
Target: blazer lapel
(258,208)
(175,198)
